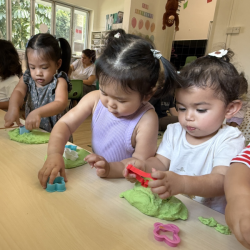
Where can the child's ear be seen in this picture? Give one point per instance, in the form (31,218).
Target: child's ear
(232,108)
(59,63)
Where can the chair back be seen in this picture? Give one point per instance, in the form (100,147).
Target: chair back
(190,59)
(77,90)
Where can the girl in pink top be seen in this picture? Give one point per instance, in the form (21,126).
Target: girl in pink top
(124,124)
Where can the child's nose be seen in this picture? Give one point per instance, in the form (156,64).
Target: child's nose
(189,115)
(38,72)
(112,104)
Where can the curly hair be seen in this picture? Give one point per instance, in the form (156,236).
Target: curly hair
(10,64)
(218,74)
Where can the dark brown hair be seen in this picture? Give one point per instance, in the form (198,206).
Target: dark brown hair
(216,73)
(90,53)
(10,64)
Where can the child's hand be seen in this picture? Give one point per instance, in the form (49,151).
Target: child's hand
(238,218)
(52,166)
(137,164)
(101,165)
(167,184)
(33,120)
(12,116)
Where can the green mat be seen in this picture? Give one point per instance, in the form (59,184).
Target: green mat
(150,204)
(82,153)
(34,137)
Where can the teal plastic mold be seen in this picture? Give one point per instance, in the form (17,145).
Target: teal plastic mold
(57,186)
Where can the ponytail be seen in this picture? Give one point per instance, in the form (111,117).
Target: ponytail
(167,85)
(65,55)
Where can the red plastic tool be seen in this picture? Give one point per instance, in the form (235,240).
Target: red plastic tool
(139,174)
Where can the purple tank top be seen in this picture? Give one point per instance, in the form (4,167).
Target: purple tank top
(111,136)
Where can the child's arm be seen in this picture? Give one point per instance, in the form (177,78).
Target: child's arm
(145,147)
(61,133)
(56,107)
(15,103)
(170,183)
(237,190)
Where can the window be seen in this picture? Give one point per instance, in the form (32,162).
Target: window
(3,23)
(20,19)
(43,13)
(63,16)
(79,32)
(20,22)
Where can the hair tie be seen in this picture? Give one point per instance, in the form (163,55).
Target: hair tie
(28,42)
(117,35)
(156,53)
(219,53)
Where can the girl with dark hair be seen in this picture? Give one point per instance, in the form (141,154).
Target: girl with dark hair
(10,72)
(44,82)
(195,153)
(124,124)
(84,70)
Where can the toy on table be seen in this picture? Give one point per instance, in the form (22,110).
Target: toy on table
(167,228)
(58,185)
(23,130)
(139,174)
(70,154)
(72,147)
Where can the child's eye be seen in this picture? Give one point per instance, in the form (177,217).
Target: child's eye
(44,67)
(181,109)
(121,101)
(202,110)
(103,93)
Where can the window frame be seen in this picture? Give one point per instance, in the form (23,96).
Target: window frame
(53,17)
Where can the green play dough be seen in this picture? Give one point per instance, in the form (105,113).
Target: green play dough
(82,153)
(150,204)
(211,222)
(79,161)
(223,229)
(34,137)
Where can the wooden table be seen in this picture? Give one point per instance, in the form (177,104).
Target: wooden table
(88,215)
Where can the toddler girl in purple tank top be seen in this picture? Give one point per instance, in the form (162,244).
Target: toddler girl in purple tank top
(124,124)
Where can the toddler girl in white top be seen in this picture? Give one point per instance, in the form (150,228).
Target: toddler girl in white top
(197,151)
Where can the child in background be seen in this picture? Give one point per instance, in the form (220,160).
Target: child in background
(237,190)
(165,108)
(124,124)
(10,72)
(44,82)
(197,151)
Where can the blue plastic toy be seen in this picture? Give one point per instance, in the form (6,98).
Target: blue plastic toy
(72,147)
(58,185)
(23,130)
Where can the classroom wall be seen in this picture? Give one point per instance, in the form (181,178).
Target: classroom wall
(108,7)
(195,20)
(232,13)
(161,38)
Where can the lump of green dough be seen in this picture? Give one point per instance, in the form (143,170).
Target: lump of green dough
(33,137)
(82,153)
(79,161)
(222,229)
(150,204)
(211,222)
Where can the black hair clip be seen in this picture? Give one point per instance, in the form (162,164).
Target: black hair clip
(28,42)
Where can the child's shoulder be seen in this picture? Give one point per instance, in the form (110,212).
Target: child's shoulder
(229,131)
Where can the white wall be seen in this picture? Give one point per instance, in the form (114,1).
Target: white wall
(162,38)
(195,20)
(108,7)
(233,13)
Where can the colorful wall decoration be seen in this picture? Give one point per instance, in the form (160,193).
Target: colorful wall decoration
(144,13)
